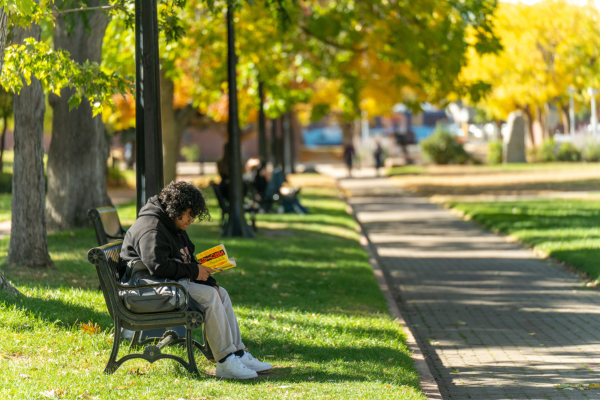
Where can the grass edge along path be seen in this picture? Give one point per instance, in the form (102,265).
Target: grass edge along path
(304,293)
(567,230)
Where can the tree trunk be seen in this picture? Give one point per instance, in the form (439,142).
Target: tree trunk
(3,37)
(349,131)
(3,143)
(28,242)
(564,113)
(169,135)
(262,125)
(278,142)
(527,113)
(77,160)
(236,223)
(4,284)
(173,124)
(3,34)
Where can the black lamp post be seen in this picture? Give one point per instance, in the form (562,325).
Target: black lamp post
(148,134)
(236,224)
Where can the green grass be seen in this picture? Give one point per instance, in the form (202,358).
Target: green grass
(524,167)
(5,213)
(567,230)
(304,294)
(407,170)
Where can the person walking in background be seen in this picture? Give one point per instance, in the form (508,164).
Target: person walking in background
(349,154)
(378,156)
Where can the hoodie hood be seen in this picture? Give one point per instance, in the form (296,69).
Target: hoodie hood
(153,208)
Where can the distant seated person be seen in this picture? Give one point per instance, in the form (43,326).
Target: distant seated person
(257,176)
(158,238)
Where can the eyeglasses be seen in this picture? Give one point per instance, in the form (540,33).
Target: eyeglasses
(194,219)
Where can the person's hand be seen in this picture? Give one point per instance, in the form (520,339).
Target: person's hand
(203,273)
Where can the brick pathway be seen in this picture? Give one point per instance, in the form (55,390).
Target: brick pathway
(493,321)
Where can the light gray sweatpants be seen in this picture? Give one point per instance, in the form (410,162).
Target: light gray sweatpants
(222,329)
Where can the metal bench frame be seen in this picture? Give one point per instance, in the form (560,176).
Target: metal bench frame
(106,259)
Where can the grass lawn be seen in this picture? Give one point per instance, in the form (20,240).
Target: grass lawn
(304,294)
(565,229)
(512,179)
(5,213)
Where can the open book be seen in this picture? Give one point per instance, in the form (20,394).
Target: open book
(216,258)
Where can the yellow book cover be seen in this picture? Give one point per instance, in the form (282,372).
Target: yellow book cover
(216,258)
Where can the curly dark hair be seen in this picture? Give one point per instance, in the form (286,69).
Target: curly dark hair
(178,196)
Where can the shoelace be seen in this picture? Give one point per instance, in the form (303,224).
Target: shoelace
(241,364)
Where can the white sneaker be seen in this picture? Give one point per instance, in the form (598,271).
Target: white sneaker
(232,368)
(253,364)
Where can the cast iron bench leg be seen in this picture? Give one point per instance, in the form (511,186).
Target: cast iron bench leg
(112,365)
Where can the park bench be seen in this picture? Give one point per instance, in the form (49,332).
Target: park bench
(224,206)
(106,224)
(107,261)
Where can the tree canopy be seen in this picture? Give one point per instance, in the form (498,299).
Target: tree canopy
(548,47)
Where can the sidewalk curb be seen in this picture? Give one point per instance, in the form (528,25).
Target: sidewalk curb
(428,384)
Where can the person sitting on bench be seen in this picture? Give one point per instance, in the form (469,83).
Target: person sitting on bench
(158,238)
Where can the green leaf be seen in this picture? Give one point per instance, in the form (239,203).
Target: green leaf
(74,101)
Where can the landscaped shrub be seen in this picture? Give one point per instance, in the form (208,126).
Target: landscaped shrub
(547,152)
(591,152)
(495,152)
(443,148)
(568,152)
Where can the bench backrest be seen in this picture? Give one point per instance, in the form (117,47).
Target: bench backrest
(106,224)
(108,262)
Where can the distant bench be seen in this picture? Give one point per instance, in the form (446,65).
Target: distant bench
(106,224)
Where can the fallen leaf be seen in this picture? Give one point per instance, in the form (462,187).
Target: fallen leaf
(594,385)
(275,286)
(531,334)
(89,328)
(272,317)
(390,359)
(24,376)
(460,323)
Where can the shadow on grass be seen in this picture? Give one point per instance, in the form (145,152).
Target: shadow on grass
(53,311)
